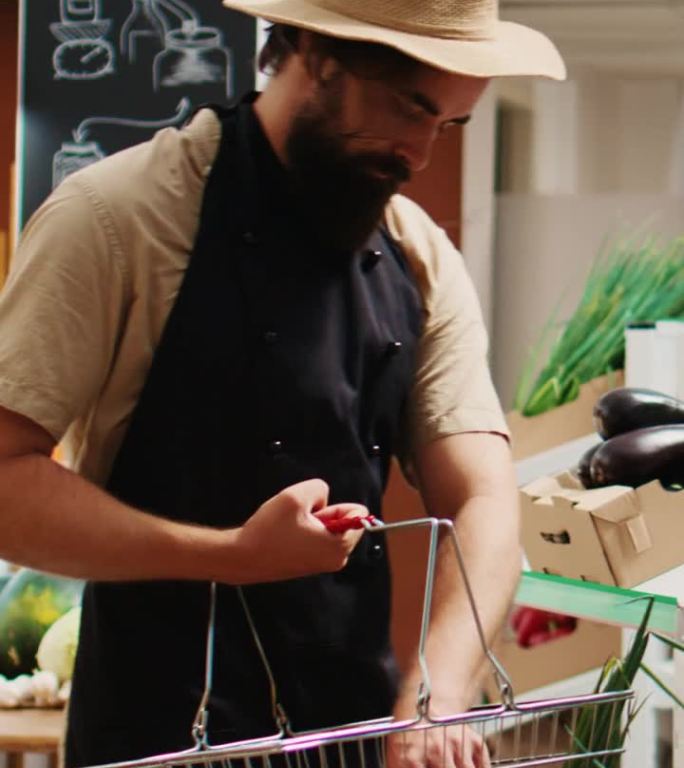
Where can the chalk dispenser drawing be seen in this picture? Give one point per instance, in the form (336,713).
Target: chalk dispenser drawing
(82,151)
(83,53)
(143,32)
(193,55)
(179,56)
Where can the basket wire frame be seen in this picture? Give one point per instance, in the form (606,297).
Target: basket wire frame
(516,734)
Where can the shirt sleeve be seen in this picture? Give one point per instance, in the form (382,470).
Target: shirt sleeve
(453,390)
(60,309)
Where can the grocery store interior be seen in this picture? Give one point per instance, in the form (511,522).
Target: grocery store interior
(566,200)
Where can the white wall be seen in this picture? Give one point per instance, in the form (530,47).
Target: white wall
(544,249)
(478,204)
(605,155)
(554,137)
(648,112)
(597,132)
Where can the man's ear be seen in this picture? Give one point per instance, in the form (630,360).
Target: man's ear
(328,70)
(320,67)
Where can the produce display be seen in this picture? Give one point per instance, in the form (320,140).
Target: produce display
(629,408)
(643,440)
(583,469)
(57,650)
(41,689)
(30,603)
(600,726)
(533,626)
(632,281)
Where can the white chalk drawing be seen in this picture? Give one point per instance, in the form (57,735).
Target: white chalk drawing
(144,28)
(75,11)
(193,55)
(185,52)
(82,150)
(72,157)
(83,53)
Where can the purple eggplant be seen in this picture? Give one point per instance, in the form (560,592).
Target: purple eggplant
(639,456)
(583,469)
(627,408)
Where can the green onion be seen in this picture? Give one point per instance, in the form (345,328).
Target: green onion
(634,280)
(599,726)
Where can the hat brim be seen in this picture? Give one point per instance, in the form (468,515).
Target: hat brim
(513,49)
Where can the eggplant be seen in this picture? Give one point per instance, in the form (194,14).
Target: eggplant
(637,457)
(583,469)
(628,408)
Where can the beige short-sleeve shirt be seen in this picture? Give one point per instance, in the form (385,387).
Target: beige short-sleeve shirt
(100,264)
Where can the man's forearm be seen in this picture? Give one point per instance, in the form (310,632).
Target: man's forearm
(56,521)
(467,478)
(454,651)
(489,542)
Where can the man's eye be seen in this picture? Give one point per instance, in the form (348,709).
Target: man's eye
(456,121)
(408,108)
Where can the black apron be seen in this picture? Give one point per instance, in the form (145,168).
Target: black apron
(279,362)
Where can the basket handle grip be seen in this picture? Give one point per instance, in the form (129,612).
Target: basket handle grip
(371,525)
(425,689)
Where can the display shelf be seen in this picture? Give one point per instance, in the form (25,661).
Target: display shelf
(25,732)
(598,602)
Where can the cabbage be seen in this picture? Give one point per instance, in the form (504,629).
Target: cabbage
(57,650)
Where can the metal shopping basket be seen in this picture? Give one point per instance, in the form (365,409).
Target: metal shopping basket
(570,732)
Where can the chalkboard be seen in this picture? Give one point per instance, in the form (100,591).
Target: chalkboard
(97,76)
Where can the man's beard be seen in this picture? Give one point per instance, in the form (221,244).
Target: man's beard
(343,196)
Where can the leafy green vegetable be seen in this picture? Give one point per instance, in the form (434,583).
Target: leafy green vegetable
(599,726)
(30,603)
(632,281)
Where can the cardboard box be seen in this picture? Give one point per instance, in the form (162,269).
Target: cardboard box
(534,434)
(588,647)
(615,535)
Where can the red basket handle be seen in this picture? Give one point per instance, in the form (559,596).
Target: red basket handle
(344,524)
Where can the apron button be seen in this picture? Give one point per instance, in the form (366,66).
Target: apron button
(275,447)
(271,337)
(375,450)
(370,259)
(394,348)
(377,552)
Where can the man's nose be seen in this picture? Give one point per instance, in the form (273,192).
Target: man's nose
(416,151)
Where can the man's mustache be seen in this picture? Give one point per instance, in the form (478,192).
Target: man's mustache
(393,168)
(389,165)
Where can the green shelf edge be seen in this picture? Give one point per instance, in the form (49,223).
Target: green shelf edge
(599,602)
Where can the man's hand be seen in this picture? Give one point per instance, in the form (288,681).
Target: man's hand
(287,536)
(453,746)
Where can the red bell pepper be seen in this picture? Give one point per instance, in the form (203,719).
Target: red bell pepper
(534,627)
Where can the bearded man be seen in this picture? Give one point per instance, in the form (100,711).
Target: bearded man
(232,328)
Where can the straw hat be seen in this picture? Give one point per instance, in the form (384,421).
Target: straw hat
(463,36)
